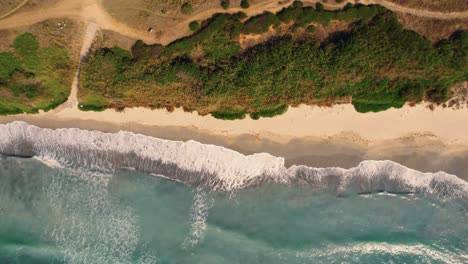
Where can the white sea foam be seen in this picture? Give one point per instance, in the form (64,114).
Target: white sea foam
(199,215)
(213,166)
(87,227)
(426,253)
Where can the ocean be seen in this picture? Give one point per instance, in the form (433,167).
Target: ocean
(76,196)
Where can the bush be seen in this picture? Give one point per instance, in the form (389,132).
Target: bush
(311,29)
(270,112)
(339,1)
(245,4)
(8,64)
(194,26)
(29,90)
(229,114)
(297,4)
(186,8)
(411,91)
(26,45)
(319,6)
(260,24)
(225,4)
(438,94)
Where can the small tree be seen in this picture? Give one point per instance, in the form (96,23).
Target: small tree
(297,4)
(311,29)
(186,8)
(225,4)
(194,26)
(319,6)
(339,1)
(245,4)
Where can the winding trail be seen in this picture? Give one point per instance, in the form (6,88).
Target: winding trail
(72,101)
(92,11)
(417,12)
(14,9)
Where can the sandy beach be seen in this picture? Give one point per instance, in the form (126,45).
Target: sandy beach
(416,137)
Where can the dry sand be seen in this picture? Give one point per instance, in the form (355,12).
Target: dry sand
(303,121)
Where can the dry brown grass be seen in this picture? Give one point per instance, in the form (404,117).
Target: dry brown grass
(109,39)
(434,5)
(7,5)
(433,29)
(158,14)
(68,35)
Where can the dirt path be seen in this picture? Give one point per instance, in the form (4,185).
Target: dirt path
(91,11)
(14,9)
(87,43)
(84,10)
(417,12)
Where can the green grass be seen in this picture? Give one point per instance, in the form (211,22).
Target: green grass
(26,45)
(93,103)
(33,77)
(8,64)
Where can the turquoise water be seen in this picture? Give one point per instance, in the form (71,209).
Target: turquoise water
(54,213)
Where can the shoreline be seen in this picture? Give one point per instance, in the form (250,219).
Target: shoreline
(336,136)
(447,124)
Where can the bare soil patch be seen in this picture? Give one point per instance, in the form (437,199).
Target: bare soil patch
(434,5)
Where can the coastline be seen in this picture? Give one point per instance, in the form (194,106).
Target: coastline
(336,136)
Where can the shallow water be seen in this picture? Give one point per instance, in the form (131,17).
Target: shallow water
(55,213)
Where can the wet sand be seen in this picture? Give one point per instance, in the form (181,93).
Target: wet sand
(424,151)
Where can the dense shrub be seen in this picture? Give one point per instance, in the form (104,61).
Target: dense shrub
(194,26)
(269,112)
(225,4)
(311,29)
(377,64)
(186,8)
(245,4)
(229,114)
(260,24)
(319,6)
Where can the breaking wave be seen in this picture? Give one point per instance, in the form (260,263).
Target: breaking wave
(212,166)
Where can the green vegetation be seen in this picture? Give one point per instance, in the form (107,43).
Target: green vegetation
(8,64)
(229,114)
(376,64)
(194,26)
(260,24)
(186,8)
(269,112)
(311,29)
(245,4)
(93,103)
(319,6)
(33,78)
(225,4)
